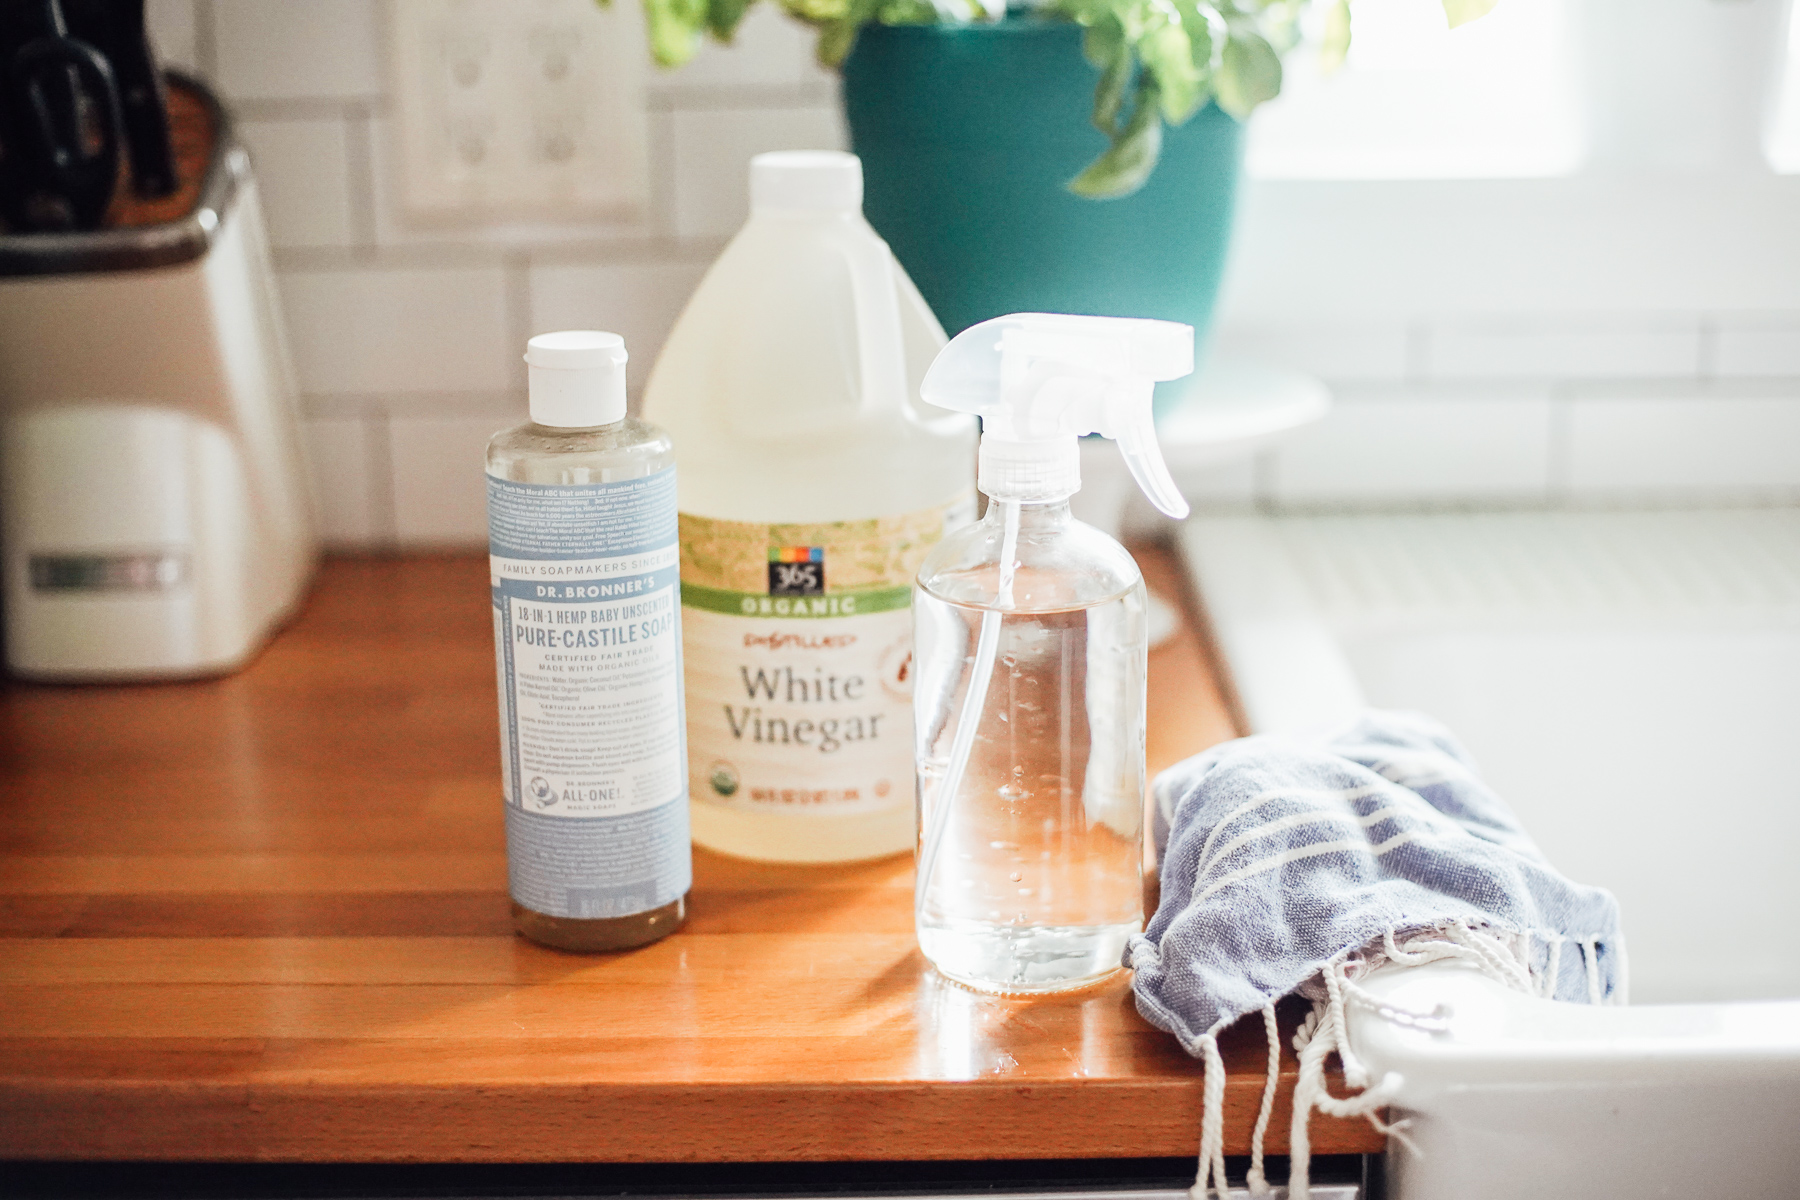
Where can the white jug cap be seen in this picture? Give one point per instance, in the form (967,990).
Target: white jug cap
(806,180)
(577,378)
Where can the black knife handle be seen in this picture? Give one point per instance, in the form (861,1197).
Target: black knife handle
(116,28)
(68,123)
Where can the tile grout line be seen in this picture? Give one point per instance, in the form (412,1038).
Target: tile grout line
(1706,364)
(519,317)
(1559,484)
(359,150)
(303,108)
(1263,481)
(662,173)
(206,40)
(452,256)
(736,97)
(1415,367)
(383,505)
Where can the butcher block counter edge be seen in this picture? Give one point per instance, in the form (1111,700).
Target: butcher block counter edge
(263,919)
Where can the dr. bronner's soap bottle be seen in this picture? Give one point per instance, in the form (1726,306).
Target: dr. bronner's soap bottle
(583,563)
(813,482)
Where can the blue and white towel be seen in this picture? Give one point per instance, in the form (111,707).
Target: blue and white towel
(1298,866)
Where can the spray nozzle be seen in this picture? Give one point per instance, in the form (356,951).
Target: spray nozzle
(1039,381)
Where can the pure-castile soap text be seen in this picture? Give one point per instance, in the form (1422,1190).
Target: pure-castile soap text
(590,696)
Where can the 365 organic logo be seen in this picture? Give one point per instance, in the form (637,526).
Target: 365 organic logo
(796,570)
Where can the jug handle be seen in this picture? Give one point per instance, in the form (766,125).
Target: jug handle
(881,357)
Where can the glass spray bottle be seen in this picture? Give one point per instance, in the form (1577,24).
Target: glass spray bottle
(1031,643)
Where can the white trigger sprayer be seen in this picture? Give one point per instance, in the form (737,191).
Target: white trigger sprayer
(1039,382)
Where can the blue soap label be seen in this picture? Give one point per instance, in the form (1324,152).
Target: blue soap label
(587,634)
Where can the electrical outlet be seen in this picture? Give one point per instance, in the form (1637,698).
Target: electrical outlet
(520,110)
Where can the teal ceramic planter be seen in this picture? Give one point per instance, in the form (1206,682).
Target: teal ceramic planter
(968,135)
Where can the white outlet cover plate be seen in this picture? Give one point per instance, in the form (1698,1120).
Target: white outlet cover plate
(520,110)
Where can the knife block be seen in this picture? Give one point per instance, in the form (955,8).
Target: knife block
(154,521)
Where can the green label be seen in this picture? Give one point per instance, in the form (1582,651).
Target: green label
(830,604)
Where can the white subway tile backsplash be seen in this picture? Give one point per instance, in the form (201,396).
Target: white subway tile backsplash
(1227,486)
(637,301)
(344,475)
(1757,348)
(303,170)
(385,330)
(1710,443)
(1333,353)
(172,32)
(297,49)
(771,49)
(1418,447)
(405,331)
(712,158)
(1573,349)
(394,228)
(440,483)
(1223,484)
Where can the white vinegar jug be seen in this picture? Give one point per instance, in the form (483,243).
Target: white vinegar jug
(812,481)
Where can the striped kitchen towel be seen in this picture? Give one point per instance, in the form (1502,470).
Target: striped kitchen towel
(1296,867)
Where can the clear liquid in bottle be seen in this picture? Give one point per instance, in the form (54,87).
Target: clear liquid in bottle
(1037,880)
(1031,652)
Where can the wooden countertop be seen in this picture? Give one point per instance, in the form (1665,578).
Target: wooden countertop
(265,918)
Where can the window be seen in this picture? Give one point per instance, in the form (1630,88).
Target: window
(1495,98)
(1782,145)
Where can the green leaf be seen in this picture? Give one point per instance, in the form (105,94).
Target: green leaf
(674,28)
(723,17)
(1169,56)
(1104,41)
(1109,93)
(1125,166)
(1205,30)
(1279,22)
(837,37)
(907,12)
(816,12)
(1461,12)
(1249,73)
(1082,12)
(1335,45)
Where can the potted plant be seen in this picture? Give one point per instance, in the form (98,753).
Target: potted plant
(1072,155)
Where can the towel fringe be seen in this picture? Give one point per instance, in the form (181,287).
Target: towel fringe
(1212,1120)
(1502,955)
(1505,958)
(1259,1185)
(1553,967)
(1590,953)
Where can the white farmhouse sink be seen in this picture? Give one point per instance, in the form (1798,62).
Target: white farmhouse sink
(1630,683)
(1528,1097)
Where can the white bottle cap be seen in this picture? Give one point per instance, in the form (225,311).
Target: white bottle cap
(577,378)
(806,180)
